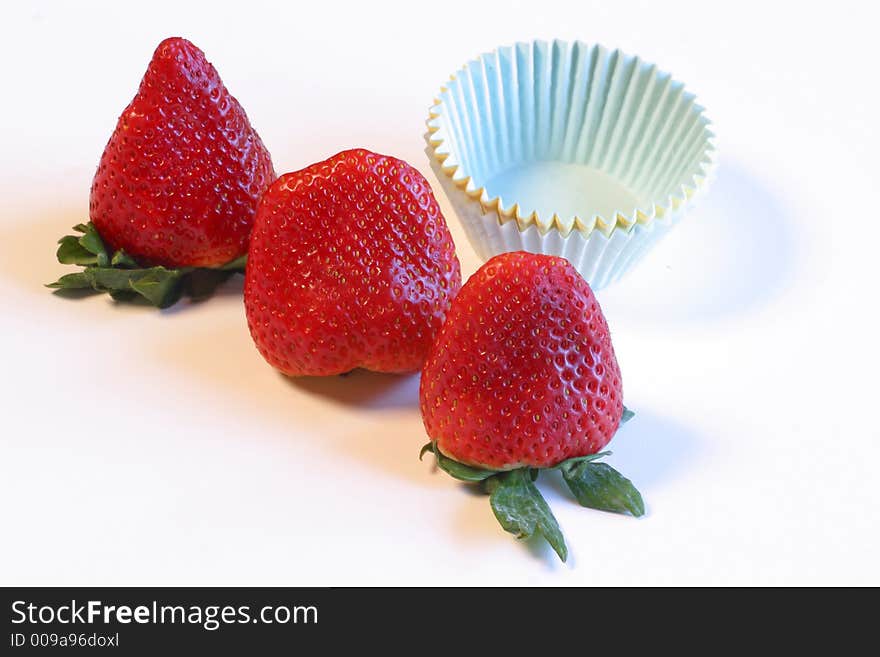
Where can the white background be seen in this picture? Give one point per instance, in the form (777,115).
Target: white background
(145,447)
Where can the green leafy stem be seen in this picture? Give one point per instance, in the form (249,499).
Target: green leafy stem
(522,510)
(119,275)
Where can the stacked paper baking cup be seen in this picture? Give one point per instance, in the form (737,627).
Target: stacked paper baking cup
(571,150)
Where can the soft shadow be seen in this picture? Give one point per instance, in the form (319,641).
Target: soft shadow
(32,263)
(733,255)
(370,419)
(363,389)
(232,288)
(223,355)
(651,449)
(540,550)
(477,524)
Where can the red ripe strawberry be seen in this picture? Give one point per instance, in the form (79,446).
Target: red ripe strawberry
(350,265)
(523,372)
(522,377)
(180,178)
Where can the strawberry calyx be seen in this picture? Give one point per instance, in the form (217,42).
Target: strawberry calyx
(124,279)
(521,509)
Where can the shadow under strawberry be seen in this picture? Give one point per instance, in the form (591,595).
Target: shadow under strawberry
(124,279)
(519,506)
(362,388)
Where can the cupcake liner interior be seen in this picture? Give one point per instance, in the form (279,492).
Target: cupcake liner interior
(569,136)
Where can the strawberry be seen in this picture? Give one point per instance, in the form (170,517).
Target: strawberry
(179,181)
(523,377)
(350,265)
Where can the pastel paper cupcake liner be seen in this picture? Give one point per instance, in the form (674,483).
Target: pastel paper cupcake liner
(570,150)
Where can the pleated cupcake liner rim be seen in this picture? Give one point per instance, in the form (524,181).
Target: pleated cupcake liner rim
(662,210)
(601,259)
